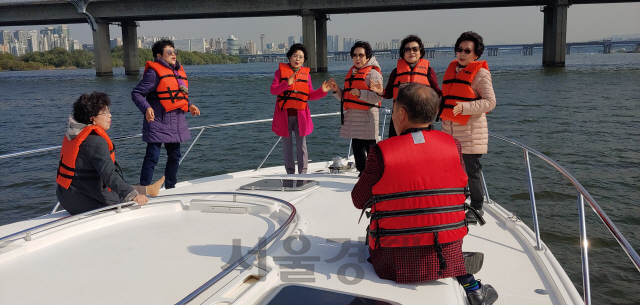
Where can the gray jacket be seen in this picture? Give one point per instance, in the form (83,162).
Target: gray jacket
(86,195)
(363,124)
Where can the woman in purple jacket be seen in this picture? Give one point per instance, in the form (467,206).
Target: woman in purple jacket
(161,123)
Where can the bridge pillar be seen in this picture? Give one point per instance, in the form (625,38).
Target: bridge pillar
(637,48)
(102,49)
(321,40)
(568,50)
(309,38)
(130,47)
(554,40)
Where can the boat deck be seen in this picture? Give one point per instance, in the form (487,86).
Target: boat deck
(161,252)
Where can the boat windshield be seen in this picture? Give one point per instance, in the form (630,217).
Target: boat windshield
(291,295)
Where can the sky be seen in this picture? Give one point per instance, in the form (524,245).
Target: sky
(513,25)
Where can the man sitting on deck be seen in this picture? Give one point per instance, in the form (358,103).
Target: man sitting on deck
(415,185)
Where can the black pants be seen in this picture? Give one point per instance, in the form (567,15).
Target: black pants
(360,151)
(472,166)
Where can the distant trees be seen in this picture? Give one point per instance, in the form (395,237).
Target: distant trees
(61,58)
(9,62)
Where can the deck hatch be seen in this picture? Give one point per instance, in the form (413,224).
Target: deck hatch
(287,185)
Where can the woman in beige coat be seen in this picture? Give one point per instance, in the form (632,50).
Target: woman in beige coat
(361,115)
(467,97)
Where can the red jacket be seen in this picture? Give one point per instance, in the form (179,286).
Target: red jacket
(411,264)
(421,202)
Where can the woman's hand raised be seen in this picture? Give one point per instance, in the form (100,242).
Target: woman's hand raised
(376,86)
(333,85)
(326,86)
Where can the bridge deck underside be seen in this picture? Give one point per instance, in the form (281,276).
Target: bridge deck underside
(48,12)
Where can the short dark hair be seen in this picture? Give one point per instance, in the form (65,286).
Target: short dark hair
(295,48)
(478,44)
(158,47)
(89,105)
(368,52)
(420,102)
(409,39)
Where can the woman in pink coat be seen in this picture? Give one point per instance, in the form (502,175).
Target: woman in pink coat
(292,85)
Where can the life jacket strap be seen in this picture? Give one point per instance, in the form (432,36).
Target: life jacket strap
(419,193)
(412,73)
(416,212)
(460,98)
(92,173)
(441,260)
(172,75)
(411,194)
(378,233)
(456,81)
(298,92)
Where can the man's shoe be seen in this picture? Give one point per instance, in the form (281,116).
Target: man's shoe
(471,218)
(485,295)
(473,261)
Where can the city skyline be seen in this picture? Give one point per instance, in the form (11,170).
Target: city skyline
(511,25)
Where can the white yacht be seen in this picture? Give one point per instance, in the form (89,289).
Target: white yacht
(264,237)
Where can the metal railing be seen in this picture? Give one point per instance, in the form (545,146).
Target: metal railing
(28,233)
(201,128)
(255,250)
(582,194)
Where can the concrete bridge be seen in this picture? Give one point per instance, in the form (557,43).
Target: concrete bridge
(490,50)
(99,13)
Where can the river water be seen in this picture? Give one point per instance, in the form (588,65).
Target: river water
(584,116)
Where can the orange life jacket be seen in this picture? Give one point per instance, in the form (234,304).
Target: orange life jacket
(67,168)
(404,74)
(420,198)
(356,81)
(168,90)
(456,87)
(297,95)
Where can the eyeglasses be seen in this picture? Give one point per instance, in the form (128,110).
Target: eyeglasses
(105,113)
(361,55)
(171,52)
(414,49)
(466,51)
(297,56)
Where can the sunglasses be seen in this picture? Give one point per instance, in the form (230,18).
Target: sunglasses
(171,52)
(466,51)
(414,50)
(361,55)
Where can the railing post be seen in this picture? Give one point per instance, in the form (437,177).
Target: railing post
(384,122)
(55,208)
(484,187)
(532,196)
(267,156)
(349,151)
(194,142)
(584,244)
